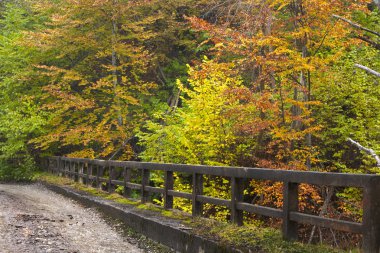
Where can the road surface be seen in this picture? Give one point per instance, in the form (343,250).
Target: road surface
(34,219)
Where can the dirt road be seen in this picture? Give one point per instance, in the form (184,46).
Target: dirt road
(34,219)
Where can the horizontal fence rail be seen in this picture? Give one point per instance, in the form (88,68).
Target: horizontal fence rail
(93,172)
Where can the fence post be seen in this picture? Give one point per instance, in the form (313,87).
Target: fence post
(169,183)
(47,165)
(371,216)
(144,183)
(55,166)
(88,173)
(127,178)
(111,174)
(60,167)
(76,171)
(197,208)
(72,170)
(237,190)
(97,183)
(80,172)
(67,166)
(290,195)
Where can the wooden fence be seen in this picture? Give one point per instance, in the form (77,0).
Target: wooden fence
(93,172)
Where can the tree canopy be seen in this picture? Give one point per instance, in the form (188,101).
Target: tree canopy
(257,83)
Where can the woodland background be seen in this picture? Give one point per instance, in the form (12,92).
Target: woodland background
(257,83)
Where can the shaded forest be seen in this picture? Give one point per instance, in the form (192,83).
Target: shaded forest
(258,83)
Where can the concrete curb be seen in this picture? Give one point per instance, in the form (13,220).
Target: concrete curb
(168,232)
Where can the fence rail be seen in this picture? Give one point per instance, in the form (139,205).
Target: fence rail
(92,172)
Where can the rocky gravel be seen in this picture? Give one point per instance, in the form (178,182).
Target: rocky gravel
(34,219)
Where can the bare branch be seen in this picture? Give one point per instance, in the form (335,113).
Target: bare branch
(174,100)
(125,142)
(322,213)
(367,150)
(372,43)
(356,25)
(371,71)
(162,74)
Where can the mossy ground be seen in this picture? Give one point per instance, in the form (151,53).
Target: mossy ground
(250,238)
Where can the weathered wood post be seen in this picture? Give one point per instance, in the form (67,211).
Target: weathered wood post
(127,179)
(88,173)
(72,170)
(69,169)
(290,195)
(102,169)
(97,182)
(371,216)
(237,190)
(145,182)
(80,172)
(111,177)
(169,184)
(197,207)
(50,164)
(61,167)
(76,171)
(47,165)
(56,166)
(66,169)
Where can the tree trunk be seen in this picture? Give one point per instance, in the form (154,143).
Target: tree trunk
(115,76)
(304,77)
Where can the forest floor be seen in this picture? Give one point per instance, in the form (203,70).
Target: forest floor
(34,219)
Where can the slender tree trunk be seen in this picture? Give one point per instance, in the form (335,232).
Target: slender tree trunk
(304,77)
(307,96)
(296,111)
(266,28)
(115,76)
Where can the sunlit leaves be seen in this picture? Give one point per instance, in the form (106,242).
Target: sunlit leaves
(202,132)
(95,74)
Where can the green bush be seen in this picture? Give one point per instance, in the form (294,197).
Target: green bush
(19,169)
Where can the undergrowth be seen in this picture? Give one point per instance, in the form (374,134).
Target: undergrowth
(17,170)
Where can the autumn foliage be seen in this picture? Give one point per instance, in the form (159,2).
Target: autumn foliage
(256,83)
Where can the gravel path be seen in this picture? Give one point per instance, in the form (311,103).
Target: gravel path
(34,219)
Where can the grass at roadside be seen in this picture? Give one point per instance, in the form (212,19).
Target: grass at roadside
(250,238)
